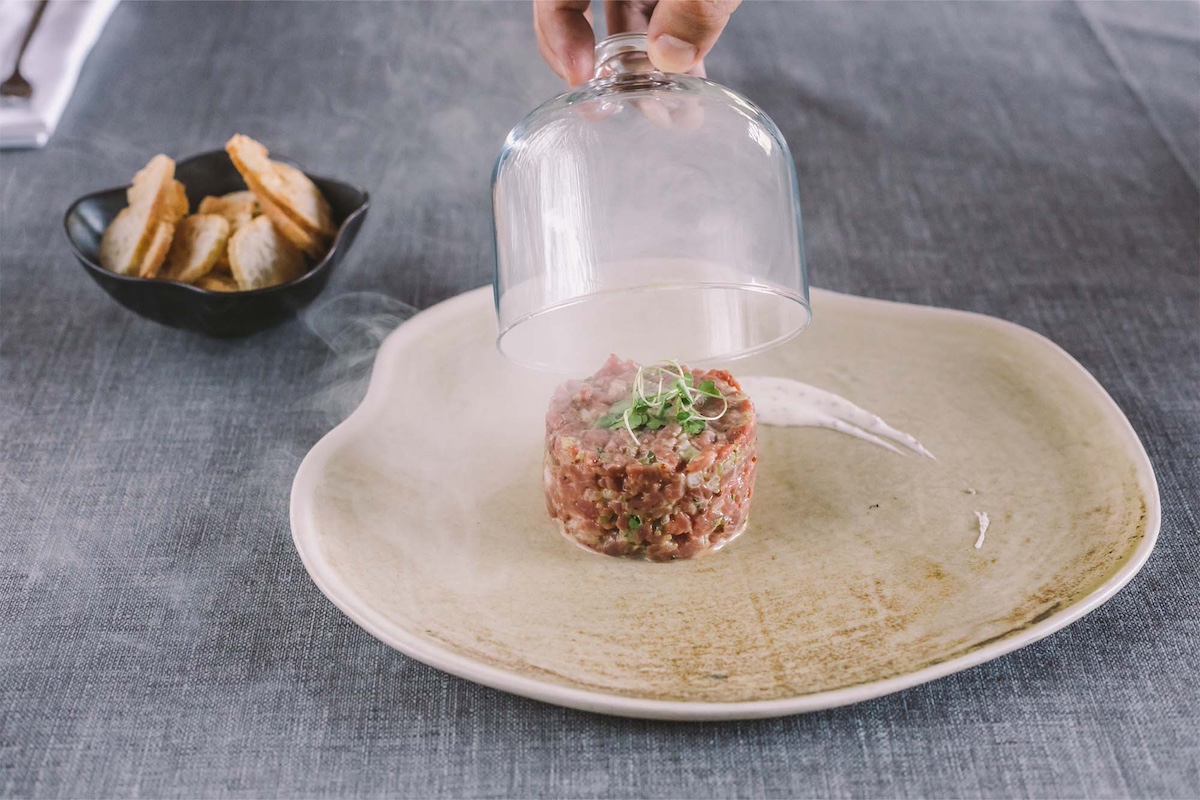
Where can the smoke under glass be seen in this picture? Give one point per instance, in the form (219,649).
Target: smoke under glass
(649,215)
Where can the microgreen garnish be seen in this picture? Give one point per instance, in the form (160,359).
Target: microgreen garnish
(673,399)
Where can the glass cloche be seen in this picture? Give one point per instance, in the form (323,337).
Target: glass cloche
(650,215)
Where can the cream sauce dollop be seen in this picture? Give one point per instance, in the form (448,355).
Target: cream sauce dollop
(788,403)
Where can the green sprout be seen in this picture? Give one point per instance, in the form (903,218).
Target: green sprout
(674,398)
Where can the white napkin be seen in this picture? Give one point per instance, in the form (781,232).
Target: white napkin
(51,64)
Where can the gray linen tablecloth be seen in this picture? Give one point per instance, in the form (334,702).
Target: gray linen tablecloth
(158,634)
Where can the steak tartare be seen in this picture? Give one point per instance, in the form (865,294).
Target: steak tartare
(655,462)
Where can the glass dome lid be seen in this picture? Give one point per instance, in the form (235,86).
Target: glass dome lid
(650,215)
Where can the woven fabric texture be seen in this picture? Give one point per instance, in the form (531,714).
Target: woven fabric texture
(158,634)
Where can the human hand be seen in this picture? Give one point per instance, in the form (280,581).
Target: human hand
(680,32)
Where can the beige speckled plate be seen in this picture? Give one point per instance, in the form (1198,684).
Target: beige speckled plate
(421,517)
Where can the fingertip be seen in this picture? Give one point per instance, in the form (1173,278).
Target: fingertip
(578,66)
(566,33)
(682,32)
(671,54)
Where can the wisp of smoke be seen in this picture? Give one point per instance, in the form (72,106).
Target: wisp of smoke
(353,326)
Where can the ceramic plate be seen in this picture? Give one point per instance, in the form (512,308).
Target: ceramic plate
(421,516)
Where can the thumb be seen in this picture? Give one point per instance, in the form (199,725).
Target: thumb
(683,31)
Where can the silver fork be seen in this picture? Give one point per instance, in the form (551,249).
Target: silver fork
(15,86)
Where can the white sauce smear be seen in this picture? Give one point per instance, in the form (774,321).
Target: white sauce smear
(983,526)
(788,403)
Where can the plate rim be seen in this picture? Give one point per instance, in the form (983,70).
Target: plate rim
(438,656)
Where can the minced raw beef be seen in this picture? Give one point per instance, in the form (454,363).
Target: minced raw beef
(669,494)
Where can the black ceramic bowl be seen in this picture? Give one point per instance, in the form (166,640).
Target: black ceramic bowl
(222,314)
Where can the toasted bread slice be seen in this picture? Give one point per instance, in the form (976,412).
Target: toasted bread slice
(152,184)
(177,203)
(236,212)
(128,237)
(125,241)
(303,200)
(199,242)
(238,208)
(243,196)
(160,245)
(284,186)
(312,245)
(217,283)
(260,256)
